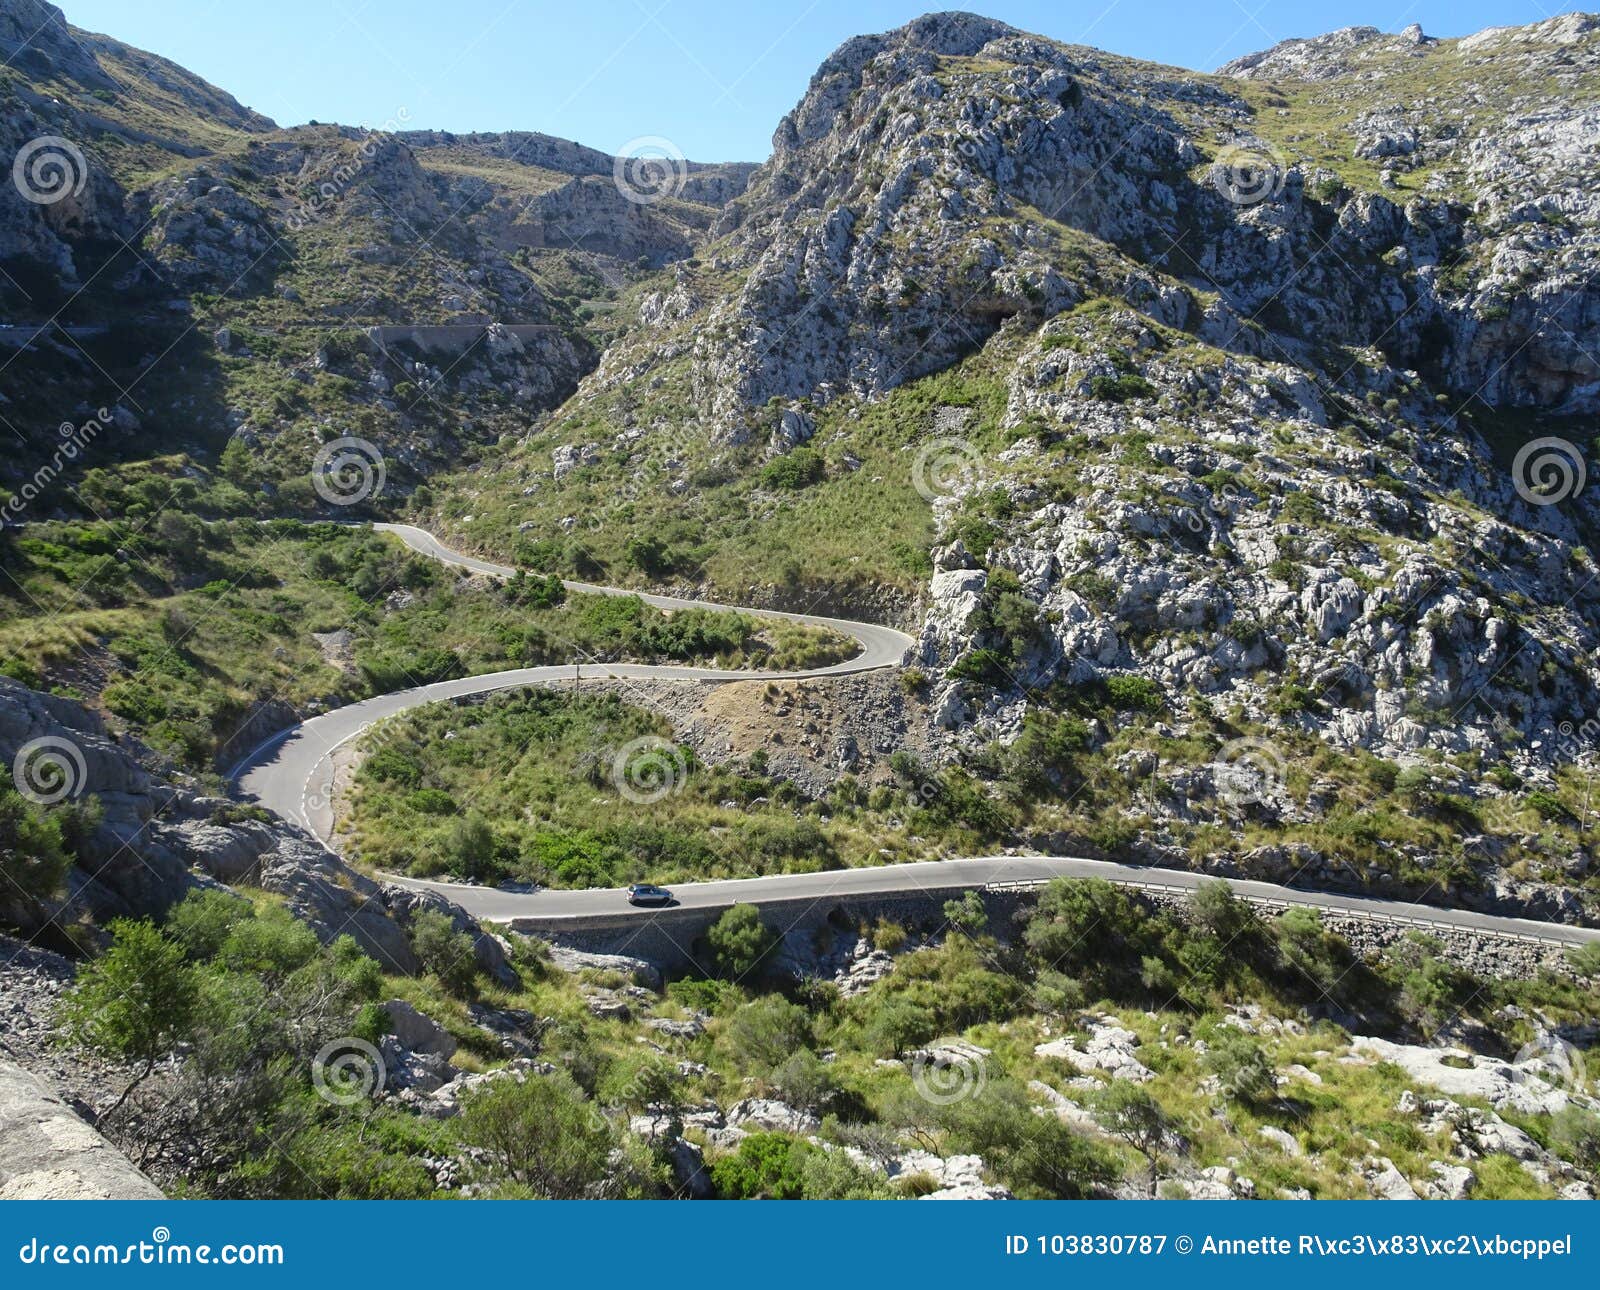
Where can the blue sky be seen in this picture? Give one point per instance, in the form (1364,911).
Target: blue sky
(713,76)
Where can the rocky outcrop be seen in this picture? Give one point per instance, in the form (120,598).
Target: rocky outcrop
(154,841)
(1110,1048)
(48,1153)
(1529,1085)
(490,951)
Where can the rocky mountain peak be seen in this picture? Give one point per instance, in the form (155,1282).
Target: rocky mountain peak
(1314,58)
(92,77)
(35,38)
(883,58)
(1352,50)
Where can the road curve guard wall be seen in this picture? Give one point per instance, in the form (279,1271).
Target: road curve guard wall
(672,939)
(48,1153)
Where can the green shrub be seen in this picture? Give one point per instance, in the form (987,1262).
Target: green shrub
(447,953)
(1576,1134)
(766,1031)
(1084,925)
(703,996)
(33,855)
(1119,389)
(986,666)
(391,766)
(1241,1064)
(896,1024)
(799,469)
(203,920)
(888,936)
(764,1167)
(739,941)
(804,1080)
(541,1134)
(1134,694)
(1038,1157)
(134,1003)
(1546,804)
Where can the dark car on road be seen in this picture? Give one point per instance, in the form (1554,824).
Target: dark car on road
(642,893)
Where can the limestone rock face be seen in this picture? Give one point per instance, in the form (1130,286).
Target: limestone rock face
(1528,1087)
(414,1030)
(1186,489)
(763,1113)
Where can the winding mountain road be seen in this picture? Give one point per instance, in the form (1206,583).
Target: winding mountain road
(292,773)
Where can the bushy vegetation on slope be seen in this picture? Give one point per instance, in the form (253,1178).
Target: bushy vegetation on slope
(1232,1017)
(179,626)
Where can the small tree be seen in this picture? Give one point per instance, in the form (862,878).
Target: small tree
(470,848)
(640,1080)
(1127,1111)
(804,1080)
(448,954)
(967,914)
(540,1133)
(136,1002)
(739,941)
(33,855)
(1058,994)
(896,1024)
(767,1031)
(1218,912)
(1083,925)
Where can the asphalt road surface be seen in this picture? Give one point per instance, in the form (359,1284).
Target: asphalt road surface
(500,906)
(291,773)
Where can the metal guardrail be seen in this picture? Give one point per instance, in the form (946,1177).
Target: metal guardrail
(1280,904)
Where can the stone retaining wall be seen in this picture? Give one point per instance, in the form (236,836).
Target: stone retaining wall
(48,1153)
(672,939)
